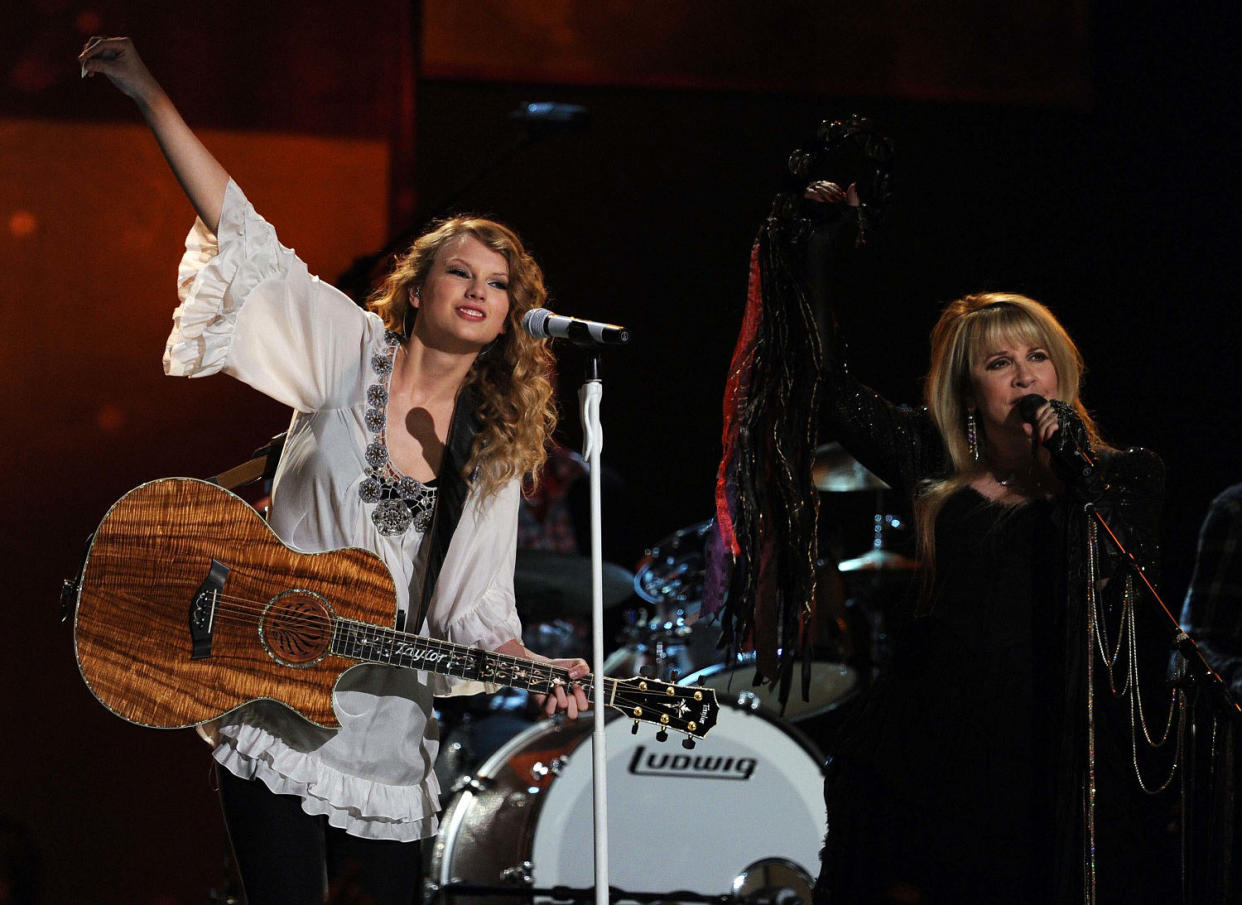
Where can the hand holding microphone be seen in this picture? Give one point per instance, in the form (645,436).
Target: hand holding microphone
(1059,430)
(1041,416)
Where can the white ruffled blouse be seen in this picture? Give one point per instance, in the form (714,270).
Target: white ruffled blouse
(250,308)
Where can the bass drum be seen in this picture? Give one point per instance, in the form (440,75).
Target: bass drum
(678,820)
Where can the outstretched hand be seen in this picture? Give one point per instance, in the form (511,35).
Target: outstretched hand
(827,192)
(119,61)
(200,174)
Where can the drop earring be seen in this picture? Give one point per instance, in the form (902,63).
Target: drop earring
(972,437)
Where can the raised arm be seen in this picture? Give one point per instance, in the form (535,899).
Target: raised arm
(898,443)
(201,176)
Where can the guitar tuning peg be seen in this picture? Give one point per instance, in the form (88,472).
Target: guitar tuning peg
(674,675)
(688,743)
(634,728)
(662,735)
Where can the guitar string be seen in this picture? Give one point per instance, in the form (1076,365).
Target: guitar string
(250,612)
(618,694)
(466,658)
(337,630)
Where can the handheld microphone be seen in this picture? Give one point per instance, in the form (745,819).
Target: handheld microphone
(1073,463)
(1029,405)
(543,324)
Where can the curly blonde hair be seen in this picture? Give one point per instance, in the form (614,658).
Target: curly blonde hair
(517,413)
(968,328)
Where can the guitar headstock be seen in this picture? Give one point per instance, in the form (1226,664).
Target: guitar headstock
(677,708)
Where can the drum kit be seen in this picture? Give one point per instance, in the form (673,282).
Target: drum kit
(739,819)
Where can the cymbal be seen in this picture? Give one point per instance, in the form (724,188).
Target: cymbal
(878,561)
(549,584)
(836,471)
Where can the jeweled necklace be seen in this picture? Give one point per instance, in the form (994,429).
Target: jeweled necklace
(1028,484)
(400,501)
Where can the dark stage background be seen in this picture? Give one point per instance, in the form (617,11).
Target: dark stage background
(1082,154)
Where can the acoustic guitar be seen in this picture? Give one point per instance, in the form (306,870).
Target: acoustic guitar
(189,606)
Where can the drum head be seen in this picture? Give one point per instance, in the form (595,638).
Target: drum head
(680,819)
(677,819)
(831,684)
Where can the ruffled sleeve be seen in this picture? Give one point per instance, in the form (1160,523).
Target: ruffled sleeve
(473,602)
(251,309)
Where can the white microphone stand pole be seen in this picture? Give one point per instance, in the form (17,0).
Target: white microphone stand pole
(593,443)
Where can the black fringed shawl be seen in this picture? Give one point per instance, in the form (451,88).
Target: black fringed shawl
(762,553)
(761,573)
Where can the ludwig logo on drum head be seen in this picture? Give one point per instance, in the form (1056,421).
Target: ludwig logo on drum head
(690,766)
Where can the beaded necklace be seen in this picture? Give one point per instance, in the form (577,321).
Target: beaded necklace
(400,501)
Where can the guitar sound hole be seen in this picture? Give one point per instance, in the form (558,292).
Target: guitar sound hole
(297,628)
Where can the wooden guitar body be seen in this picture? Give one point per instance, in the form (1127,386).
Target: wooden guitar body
(271,622)
(190,606)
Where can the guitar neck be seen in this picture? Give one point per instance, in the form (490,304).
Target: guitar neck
(374,644)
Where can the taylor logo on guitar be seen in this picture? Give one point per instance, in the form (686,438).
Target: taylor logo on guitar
(189,606)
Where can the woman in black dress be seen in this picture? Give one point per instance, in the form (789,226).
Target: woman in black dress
(987,765)
(991,761)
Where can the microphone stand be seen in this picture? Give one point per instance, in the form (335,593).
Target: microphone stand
(1197,665)
(589,397)
(1197,672)
(1078,464)
(588,336)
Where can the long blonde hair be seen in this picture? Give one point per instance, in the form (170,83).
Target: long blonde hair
(968,328)
(517,412)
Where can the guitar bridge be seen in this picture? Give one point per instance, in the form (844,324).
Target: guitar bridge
(203,610)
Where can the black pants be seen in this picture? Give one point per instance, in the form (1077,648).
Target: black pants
(288,857)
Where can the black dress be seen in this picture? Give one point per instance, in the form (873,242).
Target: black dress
(940,789)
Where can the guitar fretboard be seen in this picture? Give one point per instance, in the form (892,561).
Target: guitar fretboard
(375,644)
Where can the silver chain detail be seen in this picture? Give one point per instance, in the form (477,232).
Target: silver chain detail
(1128,687)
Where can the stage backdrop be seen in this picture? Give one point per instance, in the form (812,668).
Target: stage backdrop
(1077,154)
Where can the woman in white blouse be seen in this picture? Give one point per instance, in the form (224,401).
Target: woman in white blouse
(413,426)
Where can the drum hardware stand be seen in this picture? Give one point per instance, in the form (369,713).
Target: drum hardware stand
(1198,670)
(228,893)
(434,891)
(661,638)
(664,637)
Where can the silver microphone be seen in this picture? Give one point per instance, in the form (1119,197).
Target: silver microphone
(543,324)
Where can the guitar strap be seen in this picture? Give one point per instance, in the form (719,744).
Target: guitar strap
(452,489)
(261,466)
(451,493)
